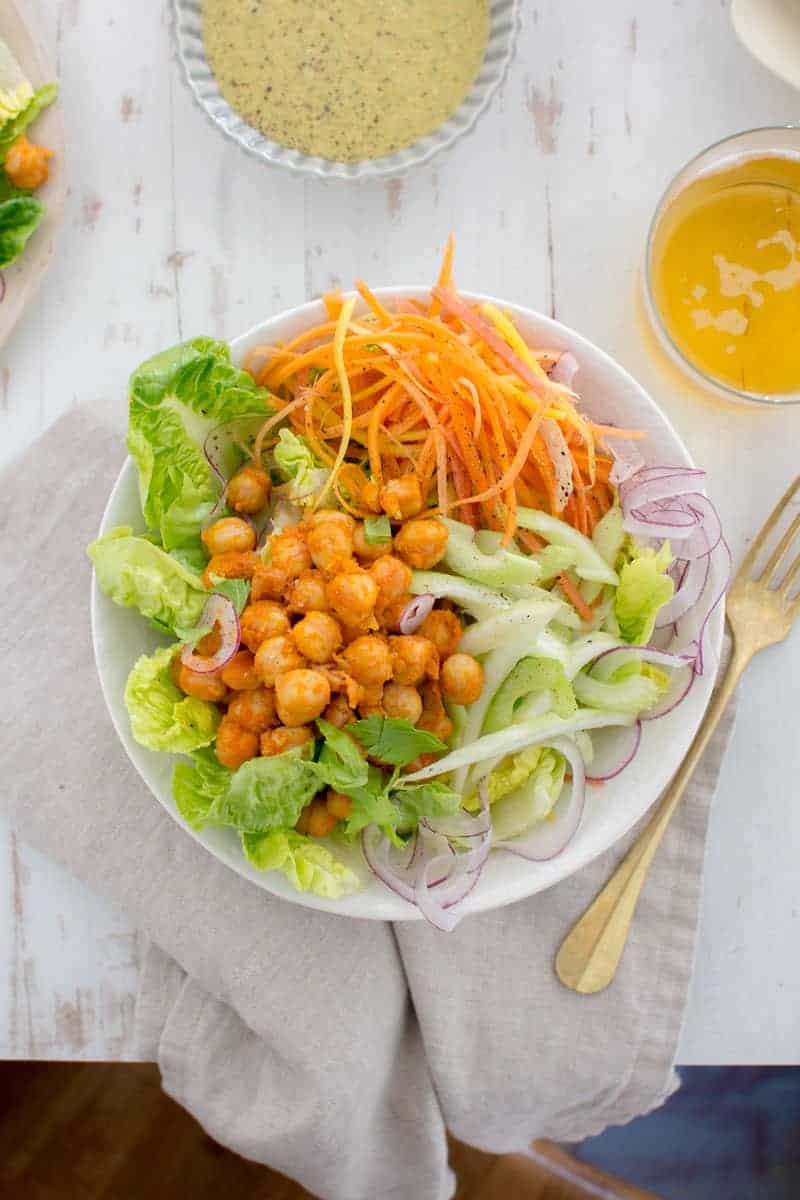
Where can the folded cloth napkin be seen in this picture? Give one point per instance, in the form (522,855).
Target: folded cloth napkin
(336,1051)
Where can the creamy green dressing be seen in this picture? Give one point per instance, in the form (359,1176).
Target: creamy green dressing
(345,79)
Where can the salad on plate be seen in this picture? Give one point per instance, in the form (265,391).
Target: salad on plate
(413,598)
(24,165)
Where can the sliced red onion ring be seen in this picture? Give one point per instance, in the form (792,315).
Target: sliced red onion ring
(551,836)
(415,612)
(218,611)
(377,850)
(627,459)
(679,482)
(725,573)
(565,369)
(689,587)
(614,750)
(610,661)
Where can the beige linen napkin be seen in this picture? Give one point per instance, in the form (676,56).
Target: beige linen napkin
(335,1050)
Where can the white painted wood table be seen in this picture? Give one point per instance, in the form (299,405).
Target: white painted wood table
(171,232)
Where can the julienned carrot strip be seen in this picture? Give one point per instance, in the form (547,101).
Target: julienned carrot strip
(347,402)
(372,302)
(530,541)
(518,462)
(373,432)
(333,303)
(445,275)
(575,598)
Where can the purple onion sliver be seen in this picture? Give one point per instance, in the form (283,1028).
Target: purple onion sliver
(702,630)
(565,369)
(676,694)
(692,585)
(415,613)
(614,750)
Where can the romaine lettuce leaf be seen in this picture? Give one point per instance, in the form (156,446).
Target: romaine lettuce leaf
(161,717)
(525,789)
(644,588)
(263,794)
(19,217)
(304,475)
(16,91)
(197,785)
(137,574)
(176,399)
(307,864)
(11,129)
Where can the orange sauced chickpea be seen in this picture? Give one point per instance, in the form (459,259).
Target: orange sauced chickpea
(413,658)
(269,583)
(402,701)
(318,636)
(444,629)
(277,741)
(371,496)
(235,745)
(391,577)
(338,805)
(249,490)
(401,498)
(274,657)
(339,713)
(320,821)
(26,164)
(302,821)
(240,672)
(301,696)
(352,597)
(368,551)
(341,682)
(323,515)
(232,565)
(421,543)
(462,679)
(368,660)
(288,551)
(228,536)
(434,714)
(261,620)
(254,710)
(203,685)
(328,542)
(389,613)
(307,593)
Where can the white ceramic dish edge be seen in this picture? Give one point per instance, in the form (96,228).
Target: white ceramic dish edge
(200,79)
(611,393)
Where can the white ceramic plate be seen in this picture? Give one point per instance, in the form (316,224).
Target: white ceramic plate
(23,277)
(120,636)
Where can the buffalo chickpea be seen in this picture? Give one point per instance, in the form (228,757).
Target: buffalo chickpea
(235,745)
(352,597)
(402,701)
(262,620)
(288,551)
(401,498)
(462,679)
(371,496)
(301,696)
(322,515)
(321,822)
(413,658)
(389,613)
(248,490)
(229,535)
(339,713)
(302,821)
(307,594)
(26,164)
(278,741)
(391,577)
(254,710)
(317,636)
(434,715)
(203,685)
(443,628)
(421,543)
(231,565)
(274,657)
(338,805)
(240,672)
(328,543)
(209,643)
(269,583)
(368,551)
(368,660)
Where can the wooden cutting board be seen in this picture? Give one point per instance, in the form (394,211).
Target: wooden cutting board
(23,277)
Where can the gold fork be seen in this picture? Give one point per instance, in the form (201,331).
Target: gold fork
(758,616)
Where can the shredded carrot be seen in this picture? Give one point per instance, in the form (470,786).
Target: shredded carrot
(575,598)
(451,391)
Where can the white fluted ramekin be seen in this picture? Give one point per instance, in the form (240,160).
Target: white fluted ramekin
(201,81)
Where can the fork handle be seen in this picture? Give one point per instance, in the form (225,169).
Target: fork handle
(589,956)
